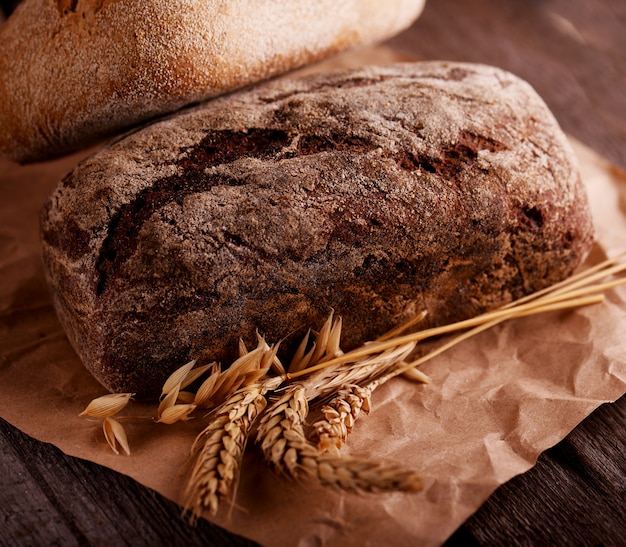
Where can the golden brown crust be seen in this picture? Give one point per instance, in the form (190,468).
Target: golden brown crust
(75,71)
(378,192)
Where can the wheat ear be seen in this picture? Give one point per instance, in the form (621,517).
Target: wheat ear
(219,448)
(286,448)
(339,416)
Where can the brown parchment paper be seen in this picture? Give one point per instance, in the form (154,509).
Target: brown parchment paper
(494,404)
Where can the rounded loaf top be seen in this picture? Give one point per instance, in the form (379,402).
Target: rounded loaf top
(74,72)
(377,192)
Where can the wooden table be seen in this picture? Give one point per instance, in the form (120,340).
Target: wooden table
(574,53)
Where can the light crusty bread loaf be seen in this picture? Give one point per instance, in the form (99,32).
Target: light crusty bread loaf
(72,71)
(378,192)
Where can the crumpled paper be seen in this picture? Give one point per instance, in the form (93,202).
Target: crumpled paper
(495,402)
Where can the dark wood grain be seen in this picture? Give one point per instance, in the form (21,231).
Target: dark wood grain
(48,498)
(574,54)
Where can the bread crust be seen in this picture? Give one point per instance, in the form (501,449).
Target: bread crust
(73,72)
(378,193)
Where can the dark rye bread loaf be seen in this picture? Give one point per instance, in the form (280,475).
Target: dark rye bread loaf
(377,192)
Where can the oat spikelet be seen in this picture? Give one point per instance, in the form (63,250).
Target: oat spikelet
(325,347)
(176,413)
(168,401)
(206,390)
(321,340)
(186,397)
(219,448)
(176,405)
(106,405)
(300,360)
(242,348)
(286,448)
(250,368)
(195,373)
(176,379)
(115,435)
